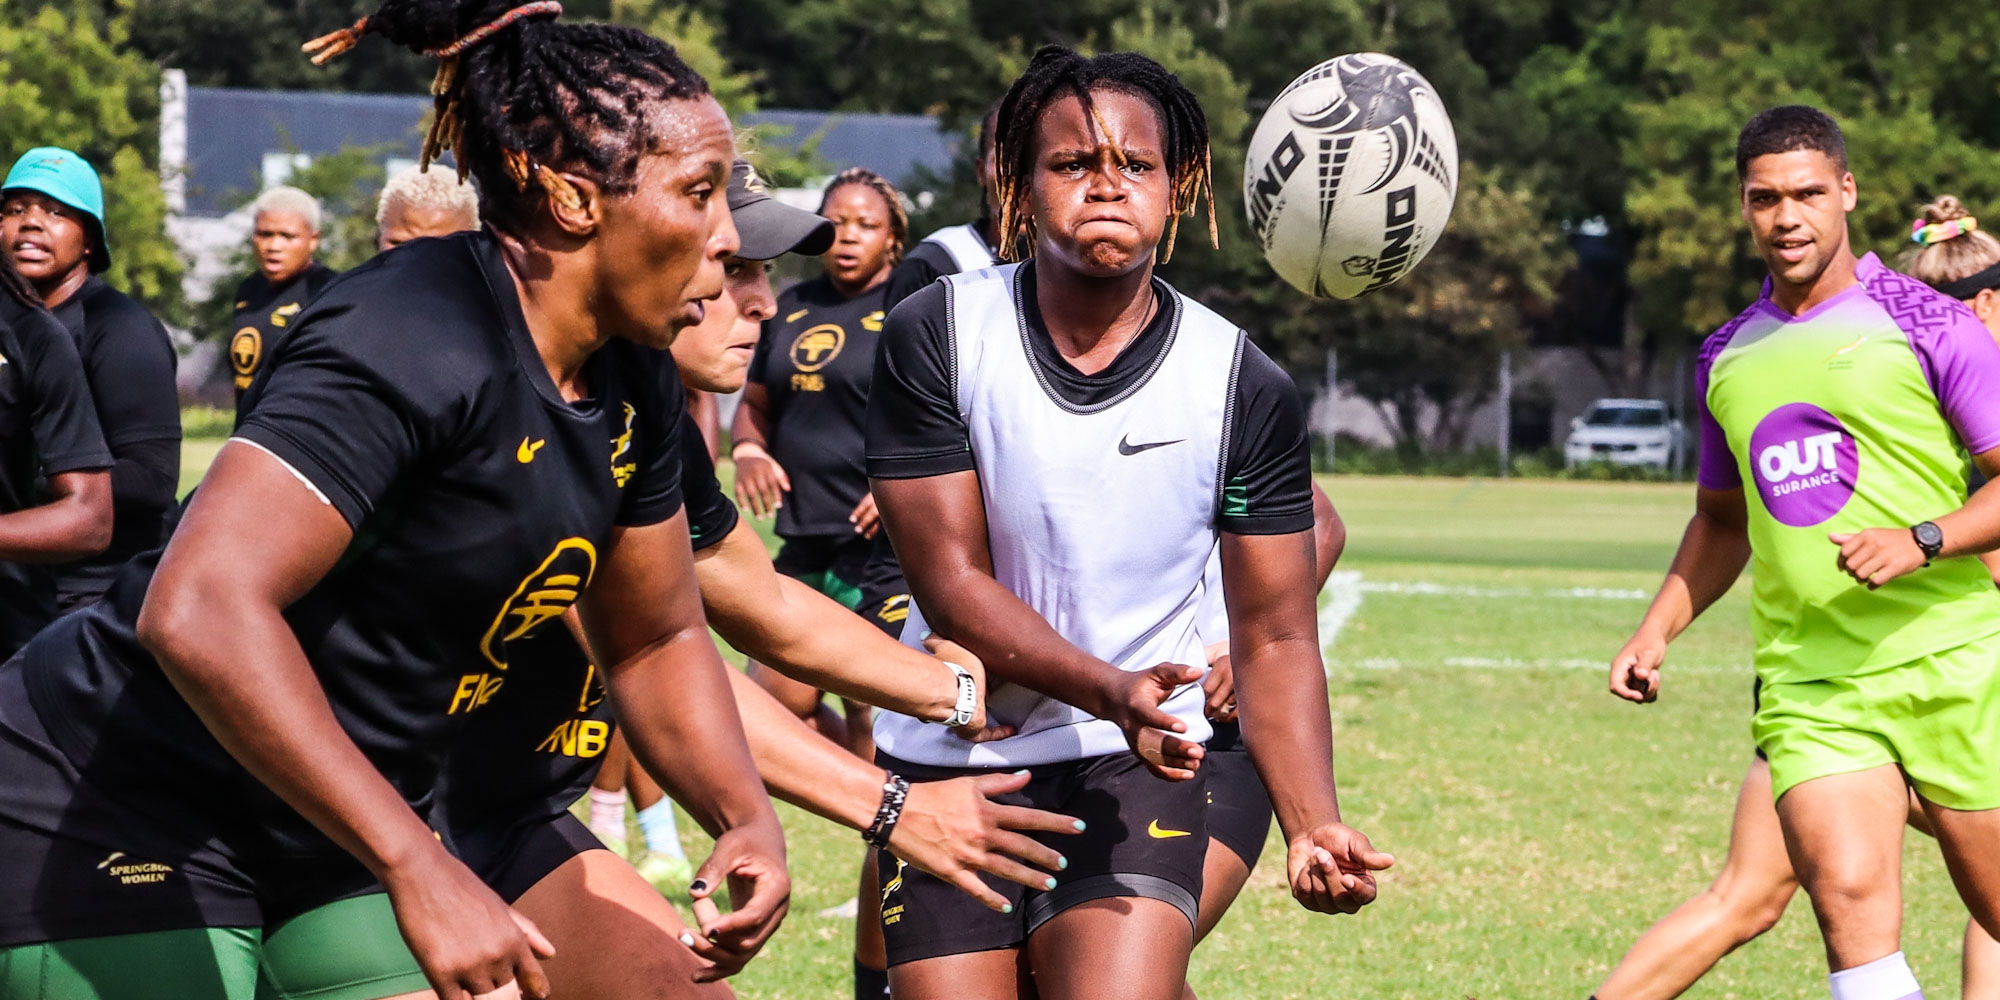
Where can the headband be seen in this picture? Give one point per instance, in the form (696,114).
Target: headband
(1972,284)
(1938,232)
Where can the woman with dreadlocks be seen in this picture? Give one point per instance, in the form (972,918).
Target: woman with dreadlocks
(453,444)
(1057,447)
(55,478)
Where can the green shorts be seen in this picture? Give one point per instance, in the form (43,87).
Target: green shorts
(347,950)
(1937,718)
(203,963)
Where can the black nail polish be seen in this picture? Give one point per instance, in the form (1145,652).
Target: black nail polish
(698,886)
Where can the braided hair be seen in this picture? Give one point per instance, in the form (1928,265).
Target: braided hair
(16,284)
(520,97)
(899,220)
(1057,72)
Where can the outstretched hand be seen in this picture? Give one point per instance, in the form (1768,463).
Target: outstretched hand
(1333,869)
(955,830)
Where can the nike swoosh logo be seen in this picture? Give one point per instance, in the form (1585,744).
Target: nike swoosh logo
(1156,833)
(1858,341)
(1126,447)
(526,452)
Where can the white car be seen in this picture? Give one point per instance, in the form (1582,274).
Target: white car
(1624,431)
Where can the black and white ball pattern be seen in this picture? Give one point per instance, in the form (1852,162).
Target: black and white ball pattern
(1351,175)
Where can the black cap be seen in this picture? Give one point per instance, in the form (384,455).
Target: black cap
(769,227)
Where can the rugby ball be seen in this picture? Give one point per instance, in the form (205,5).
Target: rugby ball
(1351,175)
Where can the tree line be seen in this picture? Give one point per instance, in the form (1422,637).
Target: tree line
(1611,116)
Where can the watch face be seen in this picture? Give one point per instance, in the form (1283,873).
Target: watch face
(1929,535)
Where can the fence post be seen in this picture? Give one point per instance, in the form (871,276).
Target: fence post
(1506,410)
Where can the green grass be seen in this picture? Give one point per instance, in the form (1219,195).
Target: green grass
(1539,824)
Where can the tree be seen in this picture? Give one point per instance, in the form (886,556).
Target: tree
(68,80)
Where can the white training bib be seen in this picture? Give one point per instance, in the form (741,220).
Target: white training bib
(1101,518)
(965,246)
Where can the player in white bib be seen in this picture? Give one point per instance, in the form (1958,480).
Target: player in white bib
(1058,448)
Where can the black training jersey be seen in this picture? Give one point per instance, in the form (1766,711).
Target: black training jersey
(264,310)
(815,359)
(535,747)
(47,427)
(915,428)
(129,362)
(410,397)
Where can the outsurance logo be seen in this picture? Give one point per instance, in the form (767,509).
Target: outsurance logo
(1806,464)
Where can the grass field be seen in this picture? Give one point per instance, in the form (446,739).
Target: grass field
(1539,824)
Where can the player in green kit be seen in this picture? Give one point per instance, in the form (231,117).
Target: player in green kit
(1837,413)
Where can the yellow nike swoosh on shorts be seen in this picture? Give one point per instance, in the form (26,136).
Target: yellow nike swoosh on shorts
(1156,833)
(526,452)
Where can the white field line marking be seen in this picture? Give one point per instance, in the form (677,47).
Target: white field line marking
(1343,598)
(1513,663)
(1418,588)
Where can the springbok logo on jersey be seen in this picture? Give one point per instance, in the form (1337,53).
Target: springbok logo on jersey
(544,594)
(244,350)
(1806,464)
(621,474)
(818,346)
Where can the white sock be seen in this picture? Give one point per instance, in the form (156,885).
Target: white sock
(657,823)
(1883,979)
(607,814)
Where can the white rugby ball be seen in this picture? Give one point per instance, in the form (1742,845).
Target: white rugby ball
(1351,175)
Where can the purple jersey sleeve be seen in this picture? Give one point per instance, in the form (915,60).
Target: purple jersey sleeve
(1717,468)
(1960,360)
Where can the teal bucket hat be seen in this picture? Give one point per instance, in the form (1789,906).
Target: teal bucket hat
(70,179)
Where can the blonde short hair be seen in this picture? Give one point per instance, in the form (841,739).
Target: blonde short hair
(289,200)
(437,189)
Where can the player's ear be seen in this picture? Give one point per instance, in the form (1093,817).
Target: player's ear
(579,210)
(1850,194)
(1986,305)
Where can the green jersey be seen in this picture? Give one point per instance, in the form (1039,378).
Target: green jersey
(1856,414)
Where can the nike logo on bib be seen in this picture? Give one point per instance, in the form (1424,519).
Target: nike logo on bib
(1154,830)
(1126,447)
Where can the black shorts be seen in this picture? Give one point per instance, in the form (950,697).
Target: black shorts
(512,858)
(1145,837)
(1756,703)
(844,557)
(61,877)
(1239,809)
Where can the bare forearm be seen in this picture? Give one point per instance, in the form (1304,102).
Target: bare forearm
(669,700)
(809,638)
(802,767)
(1973,529)
(1711,556)
(257,693)
(1016,644)
(1282,706)
(752,423)
(65,530)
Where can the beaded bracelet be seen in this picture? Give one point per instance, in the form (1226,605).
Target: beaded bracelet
(894,792)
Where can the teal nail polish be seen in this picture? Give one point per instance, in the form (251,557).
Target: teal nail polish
(1062,864)
(1022,771)
(1081,826)
(1008,908)
(1049,882)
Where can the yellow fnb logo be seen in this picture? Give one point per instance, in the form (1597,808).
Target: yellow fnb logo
(244,350)
(544,594)
(577,738)
(818,346)
(620,446)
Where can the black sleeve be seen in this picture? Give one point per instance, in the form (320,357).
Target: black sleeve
(340,418)
(130,364)
(654,492)
(914,429)
(1267,479)
(64,422)
(917,272)
(711,514)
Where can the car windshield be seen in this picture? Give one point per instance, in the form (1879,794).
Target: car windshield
(1626,416)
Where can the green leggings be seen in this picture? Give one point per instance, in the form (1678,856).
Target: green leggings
(349,950)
